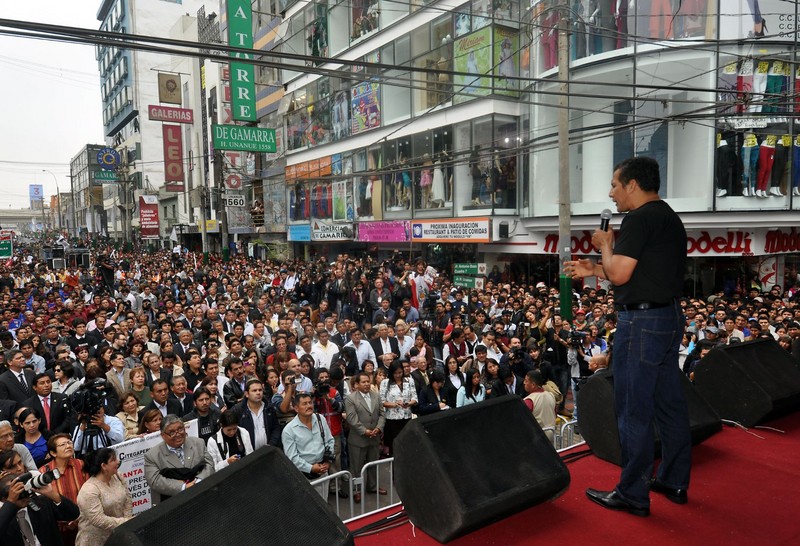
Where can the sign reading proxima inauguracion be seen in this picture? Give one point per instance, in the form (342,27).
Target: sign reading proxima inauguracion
(244,139)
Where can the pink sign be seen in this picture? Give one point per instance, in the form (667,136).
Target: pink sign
(383,232)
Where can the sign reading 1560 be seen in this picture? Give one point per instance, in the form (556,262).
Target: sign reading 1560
(244,139)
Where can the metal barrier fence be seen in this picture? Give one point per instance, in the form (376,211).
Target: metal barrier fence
(346,509)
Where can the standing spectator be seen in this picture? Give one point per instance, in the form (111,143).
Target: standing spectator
(230,443)
(541,403)
(308,442)
(398,397)
(205,412)
(52,406)
(257,417)
(129,414)
(104,500)
(472,391)
(16,381)
(366,417)
(329,404)
(52,508)
(176,464)
(62,457)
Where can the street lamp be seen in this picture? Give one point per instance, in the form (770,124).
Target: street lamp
(58,197)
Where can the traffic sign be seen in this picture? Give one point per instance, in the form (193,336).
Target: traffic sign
(6,247)
(468,282)
(469,269)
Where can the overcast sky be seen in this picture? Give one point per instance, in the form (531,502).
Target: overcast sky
(49,99)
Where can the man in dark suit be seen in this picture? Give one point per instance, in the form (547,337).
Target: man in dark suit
(507,383)
(233,392)
(365,415)
(16,382)
(383,344)
(7,409)
(185,343)
(177,453)
(159,392)
(54,407)
(21,526)
(177,393)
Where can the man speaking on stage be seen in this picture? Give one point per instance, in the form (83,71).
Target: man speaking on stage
(646,266)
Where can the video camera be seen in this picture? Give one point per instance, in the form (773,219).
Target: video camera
(576,338)
(90,398)
(322,388)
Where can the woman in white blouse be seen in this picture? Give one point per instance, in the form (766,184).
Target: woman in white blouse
(398,396)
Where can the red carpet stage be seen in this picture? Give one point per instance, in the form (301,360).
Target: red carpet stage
(744,490)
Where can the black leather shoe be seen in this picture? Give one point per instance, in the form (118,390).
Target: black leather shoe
(612,501)
(678,496)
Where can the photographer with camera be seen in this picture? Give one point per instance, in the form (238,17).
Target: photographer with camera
(329,404)
(22,526)
(95,429)
(308,442)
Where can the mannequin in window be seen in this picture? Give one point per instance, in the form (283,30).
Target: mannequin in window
(447,169)
(595,41)
(477,175)
(404,199)
(425,181)
(498,180)
(506,69)
(437,187)
(443,65)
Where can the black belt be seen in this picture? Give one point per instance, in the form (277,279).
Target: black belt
(642,306)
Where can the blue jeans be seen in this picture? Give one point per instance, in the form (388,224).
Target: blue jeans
(563,379)
(648,394)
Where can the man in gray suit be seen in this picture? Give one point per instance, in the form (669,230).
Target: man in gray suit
(366,419)
(177,463)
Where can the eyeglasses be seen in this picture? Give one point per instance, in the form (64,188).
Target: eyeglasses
(172,434)
(57,369)
(66,443)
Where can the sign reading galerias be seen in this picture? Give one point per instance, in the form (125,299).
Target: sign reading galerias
(156,112)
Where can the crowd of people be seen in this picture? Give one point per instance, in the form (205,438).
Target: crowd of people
(326,360)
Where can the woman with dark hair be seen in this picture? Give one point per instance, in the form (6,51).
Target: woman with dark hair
(212,384)
(472,391)
(230,443)
(104,499)
(423,349)
(129,414)
(432,396)
(398,396)
(489,374)
(31,437)
(454,380)
(65,382)
(104,357)
(134,358)
(151,422)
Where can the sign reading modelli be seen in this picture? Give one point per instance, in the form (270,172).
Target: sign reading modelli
(244,139)
(471,230)
(243,81)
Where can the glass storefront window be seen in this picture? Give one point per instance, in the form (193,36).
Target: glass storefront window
(504,162)
(755,141)
(297,121)
(396,92)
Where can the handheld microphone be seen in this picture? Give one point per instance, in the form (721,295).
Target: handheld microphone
(605,219)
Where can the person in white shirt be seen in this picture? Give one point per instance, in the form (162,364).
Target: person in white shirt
(404,341)
(363,349)
(323,351)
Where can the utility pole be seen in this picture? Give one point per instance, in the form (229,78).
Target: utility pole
(207,32)
(564,200)
(222,219)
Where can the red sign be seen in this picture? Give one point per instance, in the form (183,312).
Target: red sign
(732,242)
(148,216)
(168,113)
(779,242)
(173,157)
(233,176)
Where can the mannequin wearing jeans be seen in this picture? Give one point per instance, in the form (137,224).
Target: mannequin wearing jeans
(725,168)
(749,162)
(796,166)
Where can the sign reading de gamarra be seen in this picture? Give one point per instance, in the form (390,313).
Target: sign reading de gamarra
(243,139)
(240,34)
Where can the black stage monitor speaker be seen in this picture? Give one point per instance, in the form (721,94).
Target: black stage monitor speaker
(749,382)
(597,417)
(262,499)
(461,469)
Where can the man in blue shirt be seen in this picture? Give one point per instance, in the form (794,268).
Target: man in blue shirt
(308,442)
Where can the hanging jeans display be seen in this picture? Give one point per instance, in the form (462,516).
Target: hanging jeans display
(749,162)
(796,167)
